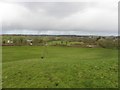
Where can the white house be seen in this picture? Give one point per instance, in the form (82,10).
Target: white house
(9,41)
(30,41)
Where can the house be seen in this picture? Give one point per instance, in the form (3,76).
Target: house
(30,42)
(10,41)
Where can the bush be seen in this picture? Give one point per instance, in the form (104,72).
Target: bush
(107,43)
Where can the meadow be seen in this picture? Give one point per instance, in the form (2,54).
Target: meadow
(61,67)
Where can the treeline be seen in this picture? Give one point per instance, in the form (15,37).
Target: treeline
(78,41)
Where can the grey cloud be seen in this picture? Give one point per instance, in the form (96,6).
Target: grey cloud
(59,9)
(61,16)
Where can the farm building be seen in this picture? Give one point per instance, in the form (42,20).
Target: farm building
(91,46)
(10,41)
(30,42)
(7,43)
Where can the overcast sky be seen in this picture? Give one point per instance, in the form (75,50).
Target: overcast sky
(81,18)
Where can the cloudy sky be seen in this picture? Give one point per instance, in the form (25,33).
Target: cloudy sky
(80,18)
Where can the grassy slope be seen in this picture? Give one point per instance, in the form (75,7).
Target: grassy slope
(66,67)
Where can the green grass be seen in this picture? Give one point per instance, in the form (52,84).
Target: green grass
(62,67)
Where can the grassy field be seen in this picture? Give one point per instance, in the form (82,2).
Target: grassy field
(61,67)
